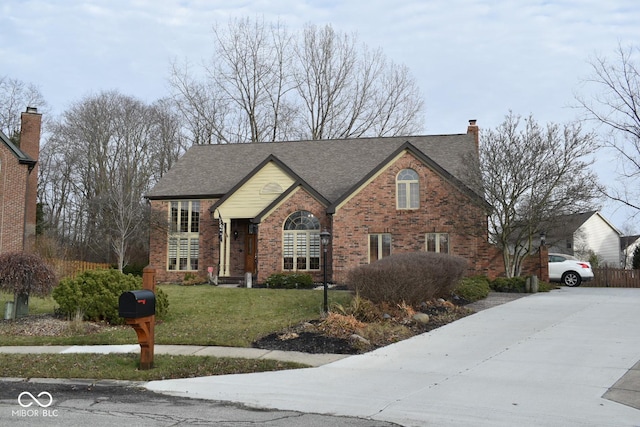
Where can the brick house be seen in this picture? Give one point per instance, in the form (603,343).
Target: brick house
(260,208)
(18,185)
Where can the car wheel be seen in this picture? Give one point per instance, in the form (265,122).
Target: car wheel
(571,278)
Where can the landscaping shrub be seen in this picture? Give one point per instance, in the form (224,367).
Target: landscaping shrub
(290,281)
(473,289)
(95,294)
(509,284)
(410,277)
(191,279)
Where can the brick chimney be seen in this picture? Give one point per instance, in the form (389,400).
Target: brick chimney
(30,127)
(473,129)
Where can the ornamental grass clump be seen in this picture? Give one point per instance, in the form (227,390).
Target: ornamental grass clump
(409,278)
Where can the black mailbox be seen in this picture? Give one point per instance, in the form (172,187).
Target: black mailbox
(134,304)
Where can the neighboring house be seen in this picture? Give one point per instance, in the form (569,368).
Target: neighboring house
(261,207)
(18,185)
(583,234)
(628,245)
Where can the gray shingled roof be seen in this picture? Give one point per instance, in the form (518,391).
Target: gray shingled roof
(20,155)
(331,167)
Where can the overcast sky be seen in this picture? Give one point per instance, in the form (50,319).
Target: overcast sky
(474,59)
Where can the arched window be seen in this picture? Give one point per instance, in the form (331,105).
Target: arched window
(407,189)
(301,242)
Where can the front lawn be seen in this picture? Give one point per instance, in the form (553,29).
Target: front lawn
(198,315)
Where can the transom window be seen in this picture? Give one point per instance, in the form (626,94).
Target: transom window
(184,238)
(407,189)
(301,242)
(379,246)
(438,242)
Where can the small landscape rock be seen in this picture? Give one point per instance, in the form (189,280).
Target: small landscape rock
(421,318)
(358,338)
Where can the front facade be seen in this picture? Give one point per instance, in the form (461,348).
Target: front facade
(18,185)
(260,208)
(584,234)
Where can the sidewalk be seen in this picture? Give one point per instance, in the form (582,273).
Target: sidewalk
(549,359)
(186,350)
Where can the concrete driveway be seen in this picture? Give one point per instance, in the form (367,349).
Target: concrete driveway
(543,360)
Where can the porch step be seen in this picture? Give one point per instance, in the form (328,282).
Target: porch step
(231,280)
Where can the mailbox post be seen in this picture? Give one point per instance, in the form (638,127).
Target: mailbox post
(139,309)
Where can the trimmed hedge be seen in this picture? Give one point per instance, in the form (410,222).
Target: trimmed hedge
(95,295)
(290,281)
(473,289)
(411,278)
(509,284)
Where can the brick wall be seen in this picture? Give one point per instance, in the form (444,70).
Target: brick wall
(13,181)
(30,145)
(271,228)
(443,209)
(158,241)
(18,188)
(535,264)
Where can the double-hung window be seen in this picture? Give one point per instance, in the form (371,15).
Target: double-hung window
(184,235)
(301,242)
(407,189)
(438,242)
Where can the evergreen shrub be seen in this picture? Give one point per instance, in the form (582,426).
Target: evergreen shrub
(95,295)
(290,281)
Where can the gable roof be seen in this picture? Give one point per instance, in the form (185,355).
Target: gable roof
(332,168)
(22,157)
(569,224)
(626,241)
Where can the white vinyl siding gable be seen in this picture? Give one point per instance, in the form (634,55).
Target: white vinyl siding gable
(598,236)
(257,193)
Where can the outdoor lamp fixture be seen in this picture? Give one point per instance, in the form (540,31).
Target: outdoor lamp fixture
(235,234)
(543,238)
(325,239)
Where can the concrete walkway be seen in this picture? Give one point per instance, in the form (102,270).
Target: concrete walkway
(184,350)
(544,360)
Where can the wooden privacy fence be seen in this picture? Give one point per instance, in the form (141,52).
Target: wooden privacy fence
(607,277)
(70,269)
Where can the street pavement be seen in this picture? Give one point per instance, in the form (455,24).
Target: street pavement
(543,360)
(565,358)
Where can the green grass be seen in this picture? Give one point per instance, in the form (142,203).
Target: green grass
(198,315)
(201,315)
(125,366)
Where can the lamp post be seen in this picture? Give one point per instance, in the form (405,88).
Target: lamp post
(543,238)
(325,239)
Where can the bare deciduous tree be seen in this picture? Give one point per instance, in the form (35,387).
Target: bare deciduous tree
(103,155)
(616,105)
(531,175)
(15,97)
(265,85)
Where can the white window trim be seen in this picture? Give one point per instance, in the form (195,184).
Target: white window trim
(438,239)
(310,236)
(380,245)
(406,184)
(176,238)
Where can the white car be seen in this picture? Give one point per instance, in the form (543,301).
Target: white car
(569,270)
